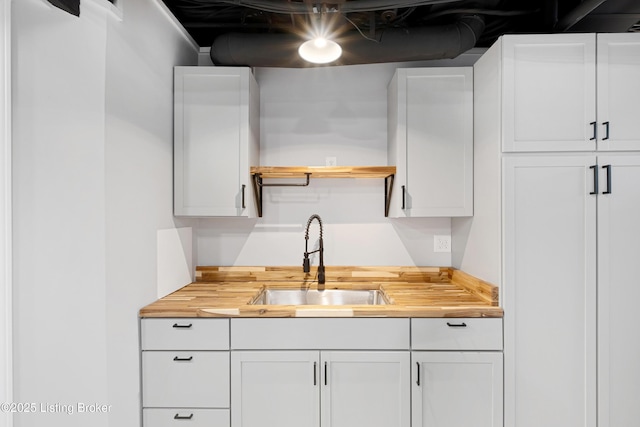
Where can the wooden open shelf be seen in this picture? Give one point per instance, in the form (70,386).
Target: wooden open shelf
(324,171)
(259,173)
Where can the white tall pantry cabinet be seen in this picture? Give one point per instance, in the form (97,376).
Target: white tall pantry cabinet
(557,174)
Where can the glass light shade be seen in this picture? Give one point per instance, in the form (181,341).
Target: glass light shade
(320,51)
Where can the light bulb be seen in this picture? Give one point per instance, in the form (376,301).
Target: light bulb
(320,42)
(320,50)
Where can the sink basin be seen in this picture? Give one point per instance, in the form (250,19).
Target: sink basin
(315,297)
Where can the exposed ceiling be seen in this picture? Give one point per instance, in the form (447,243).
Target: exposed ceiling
(269,23)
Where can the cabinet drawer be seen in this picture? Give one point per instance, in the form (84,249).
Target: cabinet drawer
(181,379)
(185,334)
(186,417)
(456,334)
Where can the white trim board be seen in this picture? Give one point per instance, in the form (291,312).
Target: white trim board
(6,338)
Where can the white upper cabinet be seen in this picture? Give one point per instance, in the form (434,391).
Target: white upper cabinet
(549,92)
(430,141)
(618,91)
(549,88)
(217,140)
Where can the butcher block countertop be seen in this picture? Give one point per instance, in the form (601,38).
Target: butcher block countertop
(411,291)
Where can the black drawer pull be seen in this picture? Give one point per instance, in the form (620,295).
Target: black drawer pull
(457,325)
(418,376)
(606,131)
(593,125)
(183,359)
(183,417)
(176,325)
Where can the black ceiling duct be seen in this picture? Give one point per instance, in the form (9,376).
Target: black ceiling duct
(390,45)
(71,6)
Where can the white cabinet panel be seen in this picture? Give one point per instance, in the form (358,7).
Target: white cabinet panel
(457,389)
(618,291)
(550,300)
(618,91)
(430,142)
(275,388)
(549,92)
(320,334)
(181,379)
(365,389)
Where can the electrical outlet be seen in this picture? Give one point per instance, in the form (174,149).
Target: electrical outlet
(442,243)
(331,161)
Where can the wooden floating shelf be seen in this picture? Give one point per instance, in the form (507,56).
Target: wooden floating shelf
(259,173)
(324,171)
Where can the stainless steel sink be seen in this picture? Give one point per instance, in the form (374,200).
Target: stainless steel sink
(316,297)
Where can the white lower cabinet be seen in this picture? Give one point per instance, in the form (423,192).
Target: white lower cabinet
(320,388)
(322,372)
(275,388)
(365,389)
(453,389)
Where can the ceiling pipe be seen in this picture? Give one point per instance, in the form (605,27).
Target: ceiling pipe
(391,45)
(577,14)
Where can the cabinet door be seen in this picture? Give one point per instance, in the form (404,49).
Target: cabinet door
(549,291)
(618,91)
(549,92)
(215,140)
(365,389)
(618,291)
(431,142)
(453,389)
(275,388)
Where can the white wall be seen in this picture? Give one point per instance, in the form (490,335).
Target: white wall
(306,116)
(92,185)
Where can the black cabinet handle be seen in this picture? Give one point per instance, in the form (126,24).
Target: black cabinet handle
(315,373)
(608,190)
(457,325)
(243,205)
(403,197)
(183,417)
(595,179)
(606,130)
(325,373)
(593,125)
(176,325)
(418,376)
(183,359)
